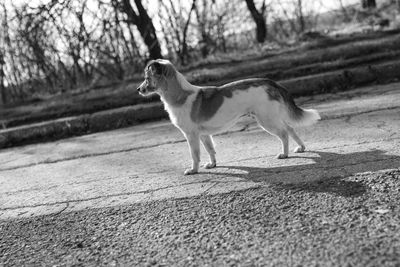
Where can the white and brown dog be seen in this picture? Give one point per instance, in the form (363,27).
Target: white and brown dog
(200,112)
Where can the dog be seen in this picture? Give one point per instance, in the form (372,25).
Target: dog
(200,112)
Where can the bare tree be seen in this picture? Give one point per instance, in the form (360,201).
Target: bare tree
(212,18)
(34,35)
(368,3)
(2,55)
(203,27)
(259,19)
(61,45)
(300,15)
(144,24)
(115,53)
(185,30)
(64,44)
(2,79)
(178,20)
(344,11)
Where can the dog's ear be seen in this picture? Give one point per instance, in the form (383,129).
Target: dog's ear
(155,67)
(161,68)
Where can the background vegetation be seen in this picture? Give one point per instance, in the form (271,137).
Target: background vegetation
(53,47)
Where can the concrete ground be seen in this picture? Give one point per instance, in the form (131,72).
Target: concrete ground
(119,197)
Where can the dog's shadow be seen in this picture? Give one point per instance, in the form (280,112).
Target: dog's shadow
(325,174)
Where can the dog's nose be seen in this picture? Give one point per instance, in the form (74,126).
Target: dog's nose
(138,89)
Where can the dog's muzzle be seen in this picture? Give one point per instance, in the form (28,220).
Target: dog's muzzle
(141,91)
(140,88)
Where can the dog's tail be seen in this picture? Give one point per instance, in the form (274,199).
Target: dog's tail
(295,116)
(298,117)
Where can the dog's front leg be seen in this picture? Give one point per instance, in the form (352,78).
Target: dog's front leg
(193,140)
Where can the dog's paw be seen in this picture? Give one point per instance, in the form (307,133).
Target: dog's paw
(299,149)
(190,171)
(281,156)
(210,165)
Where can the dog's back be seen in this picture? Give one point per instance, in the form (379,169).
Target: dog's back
(216,106)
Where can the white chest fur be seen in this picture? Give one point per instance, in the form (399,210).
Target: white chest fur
(180,115)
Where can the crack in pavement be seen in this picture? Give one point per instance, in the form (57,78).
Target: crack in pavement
(104,196)
(128,150)
(150,191)
(8,193)
(62,210)
(49,161)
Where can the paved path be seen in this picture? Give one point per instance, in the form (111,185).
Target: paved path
(83,184)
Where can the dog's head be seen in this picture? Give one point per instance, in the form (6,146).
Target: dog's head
(156,74)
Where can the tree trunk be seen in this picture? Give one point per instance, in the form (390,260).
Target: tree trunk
(344,11)
(184,37)
(301,16)
(258,17)
(144,25)
(368,3)
(201,22)
(3,95)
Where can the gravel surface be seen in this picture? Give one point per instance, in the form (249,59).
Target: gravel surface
(353,221)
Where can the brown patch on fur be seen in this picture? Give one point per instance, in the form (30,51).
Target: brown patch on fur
(278,92)
(210,99)
(166,76)
(176,94)
(161,67)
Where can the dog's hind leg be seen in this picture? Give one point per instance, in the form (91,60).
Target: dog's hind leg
(301,148)
(209,146)
(194,146)
(278,129)
(284,137)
